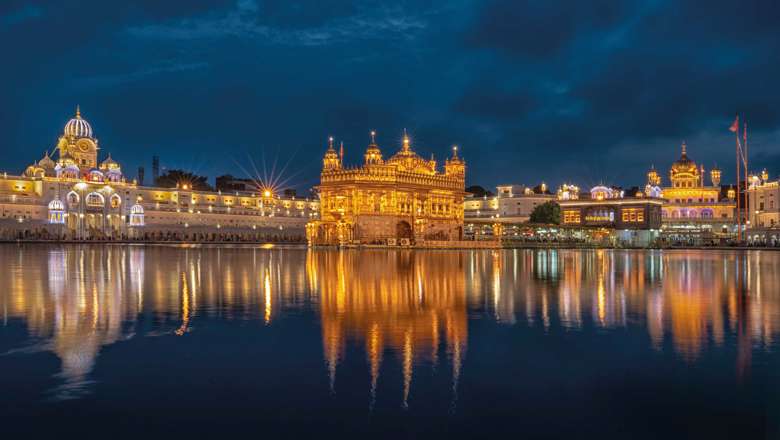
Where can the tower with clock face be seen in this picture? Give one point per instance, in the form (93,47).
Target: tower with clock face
(77,145)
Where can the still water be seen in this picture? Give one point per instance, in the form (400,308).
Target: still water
(117,341)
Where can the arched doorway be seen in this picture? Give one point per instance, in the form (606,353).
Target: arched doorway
(403,230)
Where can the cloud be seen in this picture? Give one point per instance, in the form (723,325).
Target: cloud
(248,21)
(115,79)
(19,16)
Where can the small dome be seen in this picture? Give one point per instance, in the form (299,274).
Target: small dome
(684,164)
(137,209)
(109,164)
(46,162)
(56,205)
(78,127)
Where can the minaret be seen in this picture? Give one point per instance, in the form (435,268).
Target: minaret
(455,166)
(373,155)
(331,161)
(715,176)
(653,178)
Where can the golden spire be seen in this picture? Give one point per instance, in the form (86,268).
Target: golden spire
(373,137)
(78,111)
(330,143)
(454,151)
(684,148)
(406,141)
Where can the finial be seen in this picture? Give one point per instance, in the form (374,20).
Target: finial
(454,151)
(684,147)
(406,141)
(373,137)
(78,111)
(330,142)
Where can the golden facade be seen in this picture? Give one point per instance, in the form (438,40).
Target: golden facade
(690,204)
(401,200)
(78,197)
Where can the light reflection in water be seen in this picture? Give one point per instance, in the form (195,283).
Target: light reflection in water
(412,306)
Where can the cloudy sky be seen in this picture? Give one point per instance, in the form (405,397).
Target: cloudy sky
(584,91)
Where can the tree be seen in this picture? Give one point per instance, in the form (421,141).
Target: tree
(478,191)
(180,178)
(548,212)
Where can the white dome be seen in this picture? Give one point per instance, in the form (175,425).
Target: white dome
(78,127)
(137,209)
(56,205)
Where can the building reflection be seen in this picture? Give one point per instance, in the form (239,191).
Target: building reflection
(410,303)
(687,299)
(76,300)
(409,306)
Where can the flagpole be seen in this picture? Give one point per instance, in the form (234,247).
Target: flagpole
(745,163)
(739,211)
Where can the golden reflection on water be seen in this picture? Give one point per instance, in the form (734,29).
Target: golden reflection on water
(414,306)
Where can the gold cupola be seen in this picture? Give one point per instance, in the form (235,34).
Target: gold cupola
(715,176)
(331,161)
(653,178)
(684,172)
(373,154)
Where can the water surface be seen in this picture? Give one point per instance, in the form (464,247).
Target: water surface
(120,341)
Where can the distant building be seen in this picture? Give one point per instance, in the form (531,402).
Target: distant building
(636,220)
(140,176)
(77,196)
(511,204)
(764,201)
(764,210)
(692,209)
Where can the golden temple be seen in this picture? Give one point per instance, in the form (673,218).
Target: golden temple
(403,200)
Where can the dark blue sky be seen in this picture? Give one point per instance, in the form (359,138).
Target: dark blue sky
(585,91)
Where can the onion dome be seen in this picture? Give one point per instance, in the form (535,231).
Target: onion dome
(684,164)
(33,171)
(373,153)
(602,192)
(109,164)
(56,205)
(78,127)
(331,161)
(408,160)
(46,162)
(95,175)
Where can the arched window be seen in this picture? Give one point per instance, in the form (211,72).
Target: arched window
(73,199)
(115,201)
(95,200)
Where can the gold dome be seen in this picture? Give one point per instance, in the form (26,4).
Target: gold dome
(408,160)
(684,164)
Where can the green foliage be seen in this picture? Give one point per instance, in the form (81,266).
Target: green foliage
(548,213)
(174,178)
(478,191)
